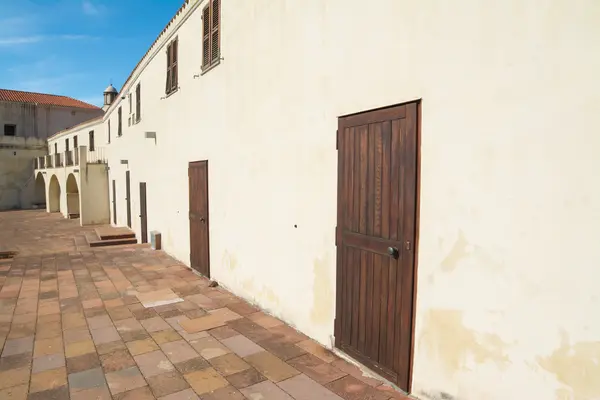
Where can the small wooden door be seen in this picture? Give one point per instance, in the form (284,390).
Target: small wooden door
(377,193)
(199,244)
(143,213)
(128,197)
(114,201)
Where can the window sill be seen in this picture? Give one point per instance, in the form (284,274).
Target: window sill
(171,93)
(210,67)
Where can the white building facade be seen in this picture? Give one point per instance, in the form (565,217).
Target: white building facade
(411,183)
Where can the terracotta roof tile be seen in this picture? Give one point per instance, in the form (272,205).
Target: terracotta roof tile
(43,99)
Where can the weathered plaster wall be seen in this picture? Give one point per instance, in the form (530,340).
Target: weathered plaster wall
(17,187)
(510,205)
(42,121)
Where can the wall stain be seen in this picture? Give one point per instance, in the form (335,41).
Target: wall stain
(576,366)
(462,249)
(457,253)
(269,295)
(322,309)
(229,261)
(445,335)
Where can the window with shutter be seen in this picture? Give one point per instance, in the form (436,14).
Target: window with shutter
(174,65)
(138,102)
(109,131)
(211,34)
(171,84)
(168,84)
(214,51)
(120,124)
(92,146)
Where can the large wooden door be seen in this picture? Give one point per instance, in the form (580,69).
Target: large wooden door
(199,245)
(143,213)
(377,194)
(128,197)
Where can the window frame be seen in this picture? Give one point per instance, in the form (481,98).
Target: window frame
(212,60)
(120,123)
(172,78)
(14,128)
(91,141)
(138,102)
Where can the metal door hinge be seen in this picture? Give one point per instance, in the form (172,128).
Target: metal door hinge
(407,245)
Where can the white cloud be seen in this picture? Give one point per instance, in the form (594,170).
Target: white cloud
(19,40)
(13,41)
(91,9)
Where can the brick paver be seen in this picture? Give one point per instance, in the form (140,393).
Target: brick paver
(83,323)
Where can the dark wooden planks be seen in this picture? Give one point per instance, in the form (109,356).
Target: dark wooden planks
(198,216)
(376,182)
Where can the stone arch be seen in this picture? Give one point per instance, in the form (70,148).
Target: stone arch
(72,197)
(39,195)
(54,195)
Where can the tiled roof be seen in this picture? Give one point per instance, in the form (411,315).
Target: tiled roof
(43,99)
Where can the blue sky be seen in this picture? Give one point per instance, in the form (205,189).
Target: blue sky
(76,47)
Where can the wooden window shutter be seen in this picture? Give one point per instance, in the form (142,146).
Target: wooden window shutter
(109,131)
(168,83)
(120,127)
(92,145)
(174,53)
(214,50)
(138,101)
(206,36)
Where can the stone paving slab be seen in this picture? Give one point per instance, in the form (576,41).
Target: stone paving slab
(81,323)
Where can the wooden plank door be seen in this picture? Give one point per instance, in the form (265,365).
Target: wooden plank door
(377,193)
(199,244)
(114,201)
(143,213)
(128,197)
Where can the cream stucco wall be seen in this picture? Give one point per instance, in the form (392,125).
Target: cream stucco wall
(94,195)
(510,204)
(40,121)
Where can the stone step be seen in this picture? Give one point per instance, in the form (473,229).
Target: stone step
(113,242)
(110,233)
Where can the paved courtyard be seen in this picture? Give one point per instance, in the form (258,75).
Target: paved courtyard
(84,323)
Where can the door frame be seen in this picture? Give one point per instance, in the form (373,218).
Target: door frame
(128,196)
(143,213)
(191,164)
(338,303)
(114,201)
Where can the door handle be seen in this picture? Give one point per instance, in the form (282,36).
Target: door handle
(392,252)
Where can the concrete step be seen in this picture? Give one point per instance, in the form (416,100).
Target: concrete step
(110,233)
(113,242)
(91,237)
